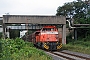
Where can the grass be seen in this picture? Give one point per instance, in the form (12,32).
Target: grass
(81,45)
(17,49)
(78,46)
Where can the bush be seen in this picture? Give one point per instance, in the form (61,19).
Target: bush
(69,38)
(18,49)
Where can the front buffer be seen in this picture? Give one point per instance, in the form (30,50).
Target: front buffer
(52,45)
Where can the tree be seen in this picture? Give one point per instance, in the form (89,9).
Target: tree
(76,9)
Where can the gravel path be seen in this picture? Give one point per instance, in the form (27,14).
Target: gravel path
(75,53)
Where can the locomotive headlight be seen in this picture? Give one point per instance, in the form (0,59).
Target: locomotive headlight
(45,43)
(57,42)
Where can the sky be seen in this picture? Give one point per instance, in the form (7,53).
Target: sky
(30,7)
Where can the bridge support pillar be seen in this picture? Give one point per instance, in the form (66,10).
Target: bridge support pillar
(4,31)
(64,34)
(75,34)
(7,33)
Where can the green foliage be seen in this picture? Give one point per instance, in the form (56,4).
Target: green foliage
(75,9)
(65,9)
(77,48)
(14,33)
(87,20)
(83,33)
(17,49)
(82,45)
(69,38)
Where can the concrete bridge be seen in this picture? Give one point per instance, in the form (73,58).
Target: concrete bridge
(9,20)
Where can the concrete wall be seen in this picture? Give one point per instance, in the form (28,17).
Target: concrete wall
(67,31)
(34,19)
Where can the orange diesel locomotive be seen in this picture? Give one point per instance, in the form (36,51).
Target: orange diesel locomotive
(47,38)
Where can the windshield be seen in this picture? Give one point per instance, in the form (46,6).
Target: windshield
(48,29)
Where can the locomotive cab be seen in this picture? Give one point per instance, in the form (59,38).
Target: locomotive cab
(50,38)
(47,38)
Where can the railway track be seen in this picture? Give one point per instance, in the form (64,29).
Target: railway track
(67,56)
